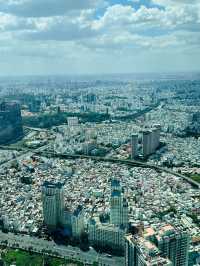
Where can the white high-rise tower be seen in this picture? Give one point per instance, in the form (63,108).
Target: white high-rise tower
(134,146)
(53,203)
(118,205)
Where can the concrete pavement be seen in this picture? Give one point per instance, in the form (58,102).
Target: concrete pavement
(50,248)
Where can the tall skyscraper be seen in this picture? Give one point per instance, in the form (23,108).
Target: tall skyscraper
(155,141)
(10,122)
(115,185)
(141,252)
(118,205)
(157,130)
(146,143)
(173,242)
(53,204)
(151,140)
(78,222)
(111,234)
(134,146)
(103,235)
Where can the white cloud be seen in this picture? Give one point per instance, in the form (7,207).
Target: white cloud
(12,23)
(171,17)
(175,2)
(88,35)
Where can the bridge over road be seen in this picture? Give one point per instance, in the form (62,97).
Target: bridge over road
(122,161)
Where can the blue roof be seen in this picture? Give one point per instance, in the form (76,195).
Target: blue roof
(116,193)
(115,183)
(49,184)
(92,221)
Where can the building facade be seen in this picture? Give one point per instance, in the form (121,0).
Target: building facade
(106,235)
(77,221)
(118,205)
(150,140)
(146,143)
(134,146)
(173,241)
(10,122)
(141,252)
(53,204)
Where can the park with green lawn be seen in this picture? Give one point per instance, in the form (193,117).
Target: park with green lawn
(195,177)
(23,258)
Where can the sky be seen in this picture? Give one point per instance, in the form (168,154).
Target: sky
(48,37)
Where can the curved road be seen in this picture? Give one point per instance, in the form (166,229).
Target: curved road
(115,160)
(41,151)
(50,248)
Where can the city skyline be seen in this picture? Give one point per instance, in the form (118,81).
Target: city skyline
(100,132)
(103,172)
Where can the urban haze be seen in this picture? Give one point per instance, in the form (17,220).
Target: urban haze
(99,132)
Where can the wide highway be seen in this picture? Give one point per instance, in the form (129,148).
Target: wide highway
(122,161)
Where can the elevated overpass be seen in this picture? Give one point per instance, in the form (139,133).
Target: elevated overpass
(133,163)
